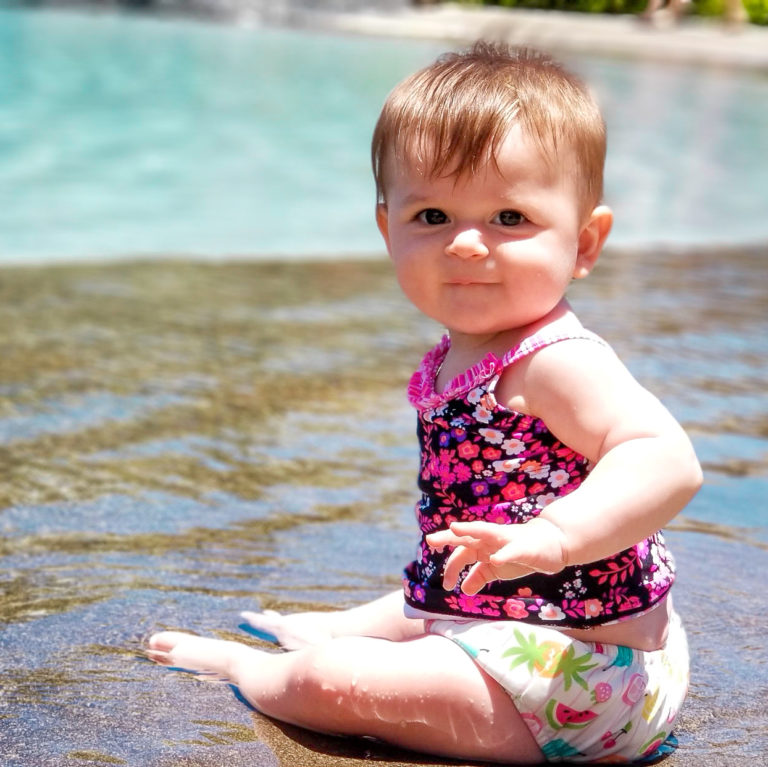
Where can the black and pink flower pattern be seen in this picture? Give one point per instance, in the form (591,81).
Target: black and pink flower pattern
(480,461)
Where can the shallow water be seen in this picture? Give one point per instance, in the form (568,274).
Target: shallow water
(182,441)
(127,134)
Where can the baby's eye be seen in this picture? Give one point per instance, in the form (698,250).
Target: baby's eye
(510,218)
(433,216)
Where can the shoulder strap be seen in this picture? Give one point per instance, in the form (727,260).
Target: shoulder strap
(545,338)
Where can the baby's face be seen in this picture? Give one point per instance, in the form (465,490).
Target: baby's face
(487,252)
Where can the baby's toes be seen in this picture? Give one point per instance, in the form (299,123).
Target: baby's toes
(161,645)
(165,641)
(265,625)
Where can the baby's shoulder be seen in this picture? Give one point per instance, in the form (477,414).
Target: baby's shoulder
(569,364)
(556,342)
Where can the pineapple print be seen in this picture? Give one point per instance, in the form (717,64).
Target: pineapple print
(549,659)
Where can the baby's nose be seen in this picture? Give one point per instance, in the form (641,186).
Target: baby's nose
(467,243)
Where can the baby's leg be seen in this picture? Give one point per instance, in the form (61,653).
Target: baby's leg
(381,618)
(425,694)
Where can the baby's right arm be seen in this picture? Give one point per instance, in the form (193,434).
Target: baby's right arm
(644,468)
(645,471)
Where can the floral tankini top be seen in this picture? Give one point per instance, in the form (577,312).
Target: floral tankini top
(481,461)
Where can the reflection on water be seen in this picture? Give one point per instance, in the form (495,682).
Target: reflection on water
(181,442)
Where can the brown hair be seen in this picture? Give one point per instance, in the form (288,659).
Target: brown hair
(452,115)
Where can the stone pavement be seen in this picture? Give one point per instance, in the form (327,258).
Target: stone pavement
(693,40)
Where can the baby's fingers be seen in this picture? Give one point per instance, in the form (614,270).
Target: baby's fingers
(486,535)
(443,538)
(479,575)
(460,557)
(537,548)
(491,535)
(484,573)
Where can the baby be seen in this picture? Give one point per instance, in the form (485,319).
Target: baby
(536,623)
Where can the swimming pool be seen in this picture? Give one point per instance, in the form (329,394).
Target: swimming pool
(130,135)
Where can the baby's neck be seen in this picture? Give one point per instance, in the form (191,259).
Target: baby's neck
(472,348)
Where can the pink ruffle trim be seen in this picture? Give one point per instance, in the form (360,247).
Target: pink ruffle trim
(421,389)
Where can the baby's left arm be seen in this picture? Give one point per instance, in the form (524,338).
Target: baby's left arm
(645,470)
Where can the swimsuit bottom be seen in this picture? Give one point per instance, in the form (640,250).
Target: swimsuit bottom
(582,701)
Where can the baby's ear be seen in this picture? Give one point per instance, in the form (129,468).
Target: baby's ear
(591,240)
(382,221)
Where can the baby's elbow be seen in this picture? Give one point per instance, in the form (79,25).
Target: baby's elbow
(691,475)
(698,477)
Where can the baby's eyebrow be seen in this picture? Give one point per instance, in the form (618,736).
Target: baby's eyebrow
(415,198)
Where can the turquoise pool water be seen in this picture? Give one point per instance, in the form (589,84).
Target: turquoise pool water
(128,134)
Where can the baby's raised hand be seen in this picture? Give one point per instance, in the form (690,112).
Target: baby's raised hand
(499,552)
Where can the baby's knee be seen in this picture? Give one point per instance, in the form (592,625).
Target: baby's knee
(325,667)
(331,677)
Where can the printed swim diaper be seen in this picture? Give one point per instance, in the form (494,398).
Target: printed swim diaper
(582,701)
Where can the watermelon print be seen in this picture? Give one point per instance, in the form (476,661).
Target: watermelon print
(559,716)
(668,746)
(481,461)
(651,748)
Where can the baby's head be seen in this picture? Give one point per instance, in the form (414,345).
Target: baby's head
(449,118)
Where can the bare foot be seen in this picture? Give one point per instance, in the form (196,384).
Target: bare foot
(293,631)
(193,653)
